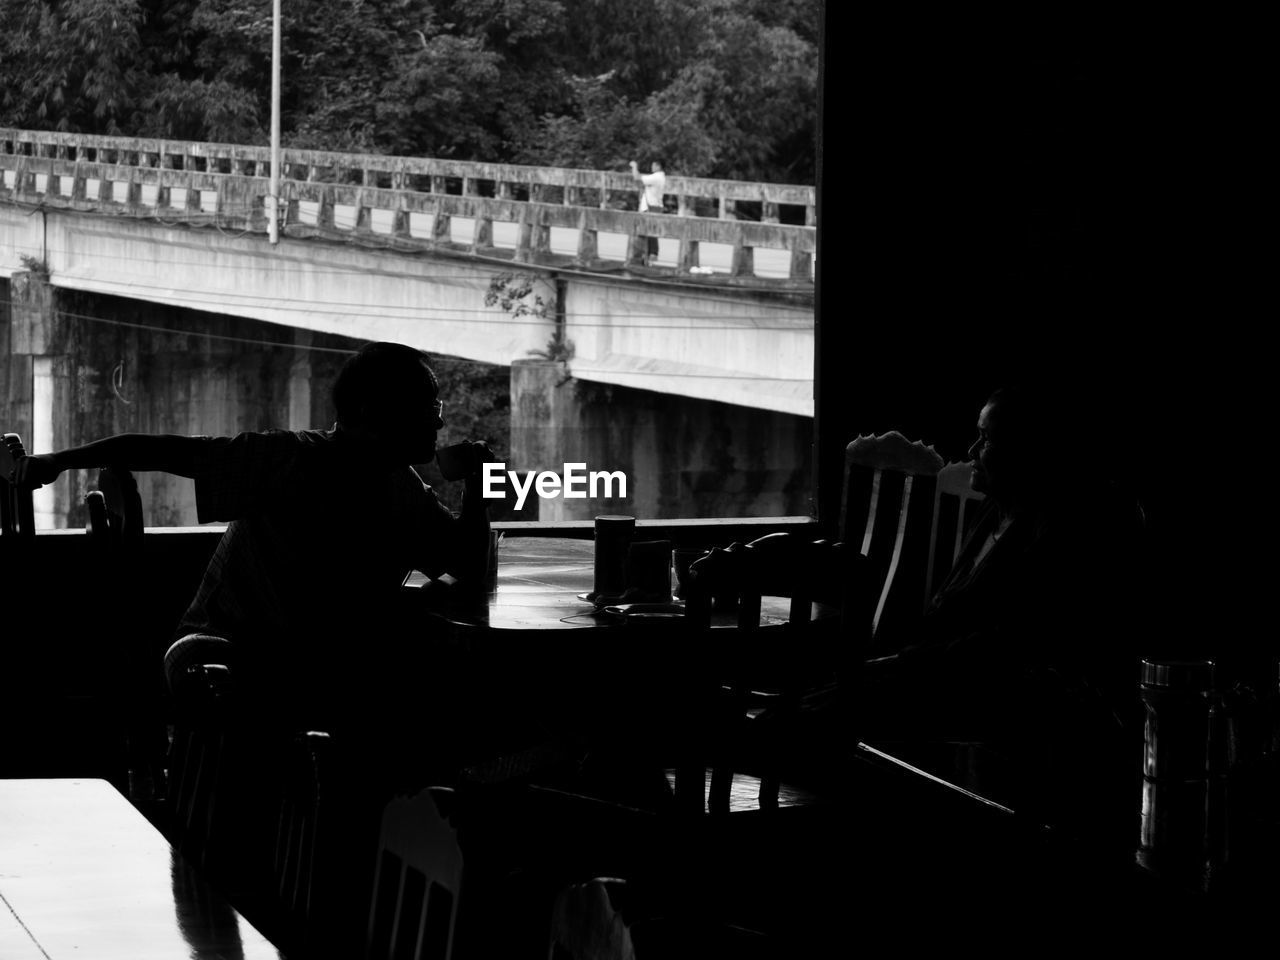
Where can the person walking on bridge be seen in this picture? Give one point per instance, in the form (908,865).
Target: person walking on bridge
(653,184)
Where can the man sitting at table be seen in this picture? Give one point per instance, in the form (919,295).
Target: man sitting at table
(1029,642)
(301,591)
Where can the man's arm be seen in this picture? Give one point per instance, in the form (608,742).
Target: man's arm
(132,451)
(456,544)
(471,557)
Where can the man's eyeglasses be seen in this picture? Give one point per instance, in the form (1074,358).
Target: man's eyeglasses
(437,407)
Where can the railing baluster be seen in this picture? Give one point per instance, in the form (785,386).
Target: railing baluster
(67,163)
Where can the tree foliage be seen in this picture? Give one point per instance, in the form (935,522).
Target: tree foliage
(712,87)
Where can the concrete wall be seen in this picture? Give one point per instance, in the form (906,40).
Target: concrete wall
(749,344)
(79,366)
(105,365)
(750,352)
(682,457)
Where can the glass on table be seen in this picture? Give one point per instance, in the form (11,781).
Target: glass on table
(681,559)
(649,571)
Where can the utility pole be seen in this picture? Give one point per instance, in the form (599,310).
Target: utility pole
(273,198)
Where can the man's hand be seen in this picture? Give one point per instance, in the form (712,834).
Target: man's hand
(464,460)
(480,455)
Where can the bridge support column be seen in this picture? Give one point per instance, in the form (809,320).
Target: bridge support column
(550,426)
(682,457)
(38,382)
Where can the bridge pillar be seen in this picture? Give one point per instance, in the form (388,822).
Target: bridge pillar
(39,382)
(549,428)
(682,457)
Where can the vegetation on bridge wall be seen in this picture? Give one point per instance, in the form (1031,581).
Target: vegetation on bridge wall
(720,88)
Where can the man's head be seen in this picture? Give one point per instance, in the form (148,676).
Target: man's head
(1017,429)
(656,166)
(387,395)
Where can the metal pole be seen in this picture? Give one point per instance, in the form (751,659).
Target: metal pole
(273,200)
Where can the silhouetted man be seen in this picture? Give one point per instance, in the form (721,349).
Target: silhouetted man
(1029,644)
(301,593)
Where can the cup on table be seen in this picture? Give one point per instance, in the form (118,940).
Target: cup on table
(649,571)
(681,559)
(612,540)
(491,573)
(456,460)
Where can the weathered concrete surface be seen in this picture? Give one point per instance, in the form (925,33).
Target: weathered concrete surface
(705,348)
(431,303)
(682,457)
(398,172)
(701,343)
(104,366)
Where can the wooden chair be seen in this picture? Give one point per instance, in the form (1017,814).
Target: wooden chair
(17,514)
(300,864)
(887,515)
(197,761)
(62,678)
(955,511)
(765,669)
(115,529)
(225,785)
(115,509)
(418,880)
(905,516)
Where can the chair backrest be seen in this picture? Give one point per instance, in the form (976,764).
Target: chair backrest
(887,514)
(115,508)
(777,668)
(198,762)
(417,881)
(299,857)
(17,513)
(780,564)
(956,509)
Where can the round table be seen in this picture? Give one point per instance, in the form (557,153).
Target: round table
(540,586)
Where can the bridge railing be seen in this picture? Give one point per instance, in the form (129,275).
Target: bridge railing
(604,189)
(394,218)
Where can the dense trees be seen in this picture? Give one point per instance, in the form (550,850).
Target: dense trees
(713,87)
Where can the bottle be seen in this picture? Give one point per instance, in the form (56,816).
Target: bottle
(1184,815)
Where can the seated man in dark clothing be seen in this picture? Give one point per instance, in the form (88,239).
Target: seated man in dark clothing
(1042,591)
(301,593)
(1029,643)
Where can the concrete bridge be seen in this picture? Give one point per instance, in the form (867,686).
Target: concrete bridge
(402,248)
(135,274)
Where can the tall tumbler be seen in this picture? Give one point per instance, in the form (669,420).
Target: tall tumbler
(1184,802)
(613,539)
